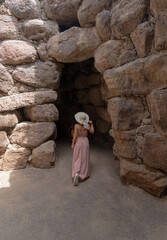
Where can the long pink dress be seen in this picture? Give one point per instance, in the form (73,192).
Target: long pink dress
(81,155)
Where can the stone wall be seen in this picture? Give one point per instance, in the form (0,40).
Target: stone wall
(127,39)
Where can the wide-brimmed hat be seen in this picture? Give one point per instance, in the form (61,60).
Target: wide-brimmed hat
(82,117)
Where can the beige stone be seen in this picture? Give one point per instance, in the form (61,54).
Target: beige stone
(142,38)
(16,52)
(6,81)
(103,114)
(8,120)
(74,45)
(16,158)
(28,134)
(157,6)
(125,113)
(157,103)
(42,113)
(94,96)
(8,27)
(16,101)
(103,24)
(145,129)
(114,53)
(25,9)
(161,31)
(154,151)
(151,181)
(89,9)
(37,29)
(42,51)
(40,74)
(4,141)
(126,16)
(44,155)
(64,11)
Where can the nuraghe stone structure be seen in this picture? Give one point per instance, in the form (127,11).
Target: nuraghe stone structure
(128,41)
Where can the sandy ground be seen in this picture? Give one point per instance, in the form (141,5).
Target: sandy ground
(44,205)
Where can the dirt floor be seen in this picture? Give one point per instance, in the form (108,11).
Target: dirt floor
(40,204)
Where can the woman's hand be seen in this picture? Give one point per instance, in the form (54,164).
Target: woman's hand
(90,122)
(72,146)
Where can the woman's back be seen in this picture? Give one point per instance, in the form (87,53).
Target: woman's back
(81,131)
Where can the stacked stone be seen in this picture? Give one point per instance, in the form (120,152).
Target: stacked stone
(128,40)
(28,80)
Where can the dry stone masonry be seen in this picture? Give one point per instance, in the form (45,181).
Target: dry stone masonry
(128,41)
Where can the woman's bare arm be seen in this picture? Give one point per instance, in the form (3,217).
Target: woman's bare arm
(91,129)
(75,136)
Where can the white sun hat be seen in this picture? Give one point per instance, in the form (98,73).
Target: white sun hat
(83,118)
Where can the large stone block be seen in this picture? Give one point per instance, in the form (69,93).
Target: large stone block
(102,126)
(37,29)
(157,6)
(25,9)
(8,120)
(16,101)
(40,75)
(138,77)
(6,81)
(125,113)
(81,81)
(42,113)
(103,24)
(28,134)
(8,27)
(103,113)
(89,9)
(94,96)
(114,53)
(16,158)
(64,11)
(4,141)
(142,38)
(154,151)
(44,155)
(161,31)
(126,16)
(151,181)
(83,96)
(157,102)
(74,45)
(15,52)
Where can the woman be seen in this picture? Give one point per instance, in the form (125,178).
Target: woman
(80,144)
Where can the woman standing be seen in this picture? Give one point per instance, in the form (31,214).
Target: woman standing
(80,145)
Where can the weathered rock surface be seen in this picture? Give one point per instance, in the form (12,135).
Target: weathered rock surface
(103,114)
(80,81)
(6,81)
(74,45)
(126,16)
(16,52)
(154,151)
(114,53)
(161,31)
(125,113)
(42,113)
(16,158)
(103,24)
(8,27)
(157,6)
(138,77)
(102,126)
(39,74)
(94,79)
(157,103)
(153,182)
(25,9)
(142,38)
(94,96)
(42,51)
(38,29)
(64,11)
(83,96)
(8,120)
(44,155)
(16,101)
(4,141)
(28,134)
(89,9)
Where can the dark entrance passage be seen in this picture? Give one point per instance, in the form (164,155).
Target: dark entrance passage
(82,89)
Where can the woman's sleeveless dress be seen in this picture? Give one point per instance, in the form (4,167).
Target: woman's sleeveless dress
(81,155)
